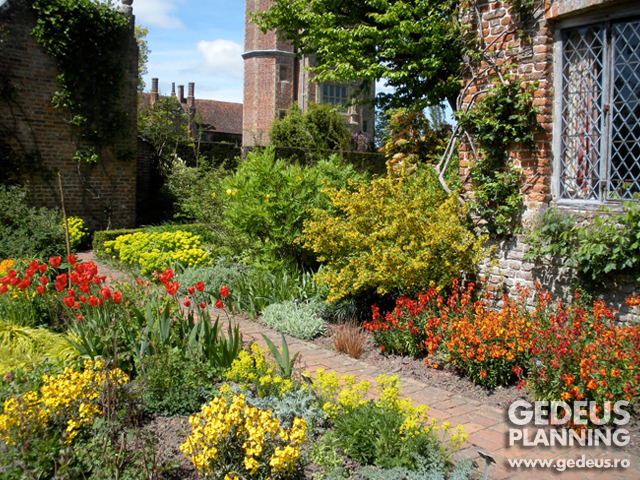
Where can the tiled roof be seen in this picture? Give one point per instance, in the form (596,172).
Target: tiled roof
(223,117)
(216,116)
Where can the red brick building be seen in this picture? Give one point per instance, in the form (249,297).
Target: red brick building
(585,56)
(215,121)
(275,77)
(32,130)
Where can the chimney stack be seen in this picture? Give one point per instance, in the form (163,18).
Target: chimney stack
(191,100)
(173,89)
(154,91)
(181,94)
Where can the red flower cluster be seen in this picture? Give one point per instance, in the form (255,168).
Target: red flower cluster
(165,278)
(580,353)
(13,279)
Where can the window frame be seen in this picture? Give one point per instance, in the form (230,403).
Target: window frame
(605,18)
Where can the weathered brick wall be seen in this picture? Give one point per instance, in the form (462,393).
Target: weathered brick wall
(532,54)
(102,194)
(523,45)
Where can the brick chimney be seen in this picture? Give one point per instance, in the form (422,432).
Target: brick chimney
(191,99)
(155,96)
(181,94)
(173,90)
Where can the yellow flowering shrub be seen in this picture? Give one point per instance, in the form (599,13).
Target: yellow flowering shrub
(398,232)
(78,231)
(231,437)
(70,400)
(254,368)
(351,409)
(157,251)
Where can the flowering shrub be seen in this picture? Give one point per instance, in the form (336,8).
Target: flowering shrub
(388,431)
(253,368)
(399,232)
(65,405)
(78,231)
(155,251)
(491,346)
(579,353)
(231,437)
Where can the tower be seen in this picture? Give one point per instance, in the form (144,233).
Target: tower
(270,78)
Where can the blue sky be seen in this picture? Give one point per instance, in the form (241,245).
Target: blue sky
(195,41)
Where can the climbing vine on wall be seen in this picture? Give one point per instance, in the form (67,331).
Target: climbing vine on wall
(500,118)
(504,117)
(83,37)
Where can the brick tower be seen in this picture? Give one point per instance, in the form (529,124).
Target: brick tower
(270,71)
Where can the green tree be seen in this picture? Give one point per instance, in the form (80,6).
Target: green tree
(143,55)
(319,128)
(416,47)
(166,126)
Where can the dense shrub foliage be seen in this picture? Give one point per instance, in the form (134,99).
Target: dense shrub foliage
(267,201)
(607,244)
(28,232)
(320,127)
(401,233)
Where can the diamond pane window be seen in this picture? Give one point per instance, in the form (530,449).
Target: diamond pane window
(600,115)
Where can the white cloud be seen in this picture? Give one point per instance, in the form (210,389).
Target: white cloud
(157,13)
(222,57)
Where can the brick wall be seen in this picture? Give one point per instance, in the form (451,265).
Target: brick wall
(532,54)
(500,29)
(102,194)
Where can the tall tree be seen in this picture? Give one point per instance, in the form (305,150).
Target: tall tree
(414,45)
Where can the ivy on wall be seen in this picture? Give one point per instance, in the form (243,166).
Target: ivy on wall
(84,37)
(503,118)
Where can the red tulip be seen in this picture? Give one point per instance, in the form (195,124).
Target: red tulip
(3,288)
(12,274)
(117,297)
(187,302)
(219,304)
(44,280)
(55,261)
(93,301)
(39,289)
(42,267)
(203,305)
(72,259)
(224,291)
(69,301)
(105,292)
(199,286)
(191,290)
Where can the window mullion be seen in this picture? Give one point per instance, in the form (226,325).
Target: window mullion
(607,87)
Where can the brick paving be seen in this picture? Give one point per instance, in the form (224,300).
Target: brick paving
(487,426)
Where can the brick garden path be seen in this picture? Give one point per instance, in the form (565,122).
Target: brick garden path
(486,426)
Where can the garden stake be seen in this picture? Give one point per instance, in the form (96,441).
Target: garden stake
(489,459)
(66,226)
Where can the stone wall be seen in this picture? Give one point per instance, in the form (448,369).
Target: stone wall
(102,194)
(504,268)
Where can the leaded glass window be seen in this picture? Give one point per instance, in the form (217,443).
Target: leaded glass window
(600,115)
(336,95)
